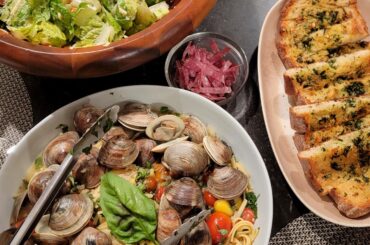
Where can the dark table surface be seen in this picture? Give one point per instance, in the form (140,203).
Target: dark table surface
(241,20)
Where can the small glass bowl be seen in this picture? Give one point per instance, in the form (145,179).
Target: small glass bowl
(203,39)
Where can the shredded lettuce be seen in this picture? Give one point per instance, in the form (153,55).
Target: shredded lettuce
(63,17)
(15,12)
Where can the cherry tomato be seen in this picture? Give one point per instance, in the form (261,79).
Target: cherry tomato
(150,184)
(248,215)
(210,200)
(219,225)
(159,193)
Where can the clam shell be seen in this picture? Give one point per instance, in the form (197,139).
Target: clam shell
(184,192)
(44,235)
(199,235)
(85,117)
(70,214)
(185,159)
(145,147)
(87,171)
(168,221)
(227,183)
(194,128)
(165,128)
(92,236)
(19,200)
(136,116)
(115,130)
(219,152)
(58,148)
(118,152)
(162,147)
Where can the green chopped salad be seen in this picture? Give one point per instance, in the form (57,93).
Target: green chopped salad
(79,23)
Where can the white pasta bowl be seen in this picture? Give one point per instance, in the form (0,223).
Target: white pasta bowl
(226,127)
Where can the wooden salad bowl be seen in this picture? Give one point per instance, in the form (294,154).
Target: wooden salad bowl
(116,57)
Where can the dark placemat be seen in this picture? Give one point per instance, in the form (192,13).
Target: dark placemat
(311,229)
(15,109)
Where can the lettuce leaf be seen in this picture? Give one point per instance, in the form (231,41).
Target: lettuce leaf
(124,11)
(44,33)
(62,17)
(15,12)
(131,216)
(99,30)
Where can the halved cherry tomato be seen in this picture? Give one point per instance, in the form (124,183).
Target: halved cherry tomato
(159,193)
(219,225)
(248,215)
(150,184)
(209,198)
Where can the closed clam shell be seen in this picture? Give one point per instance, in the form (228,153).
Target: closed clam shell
(219,152)
(227,183)
(184,192)
(44,235)
(118,152)
(194,128)
(59,147)
(92,236)
(145,147)
(165,128)
(168,221)
(87,171)
(185,159)
(85,117)
(70,214)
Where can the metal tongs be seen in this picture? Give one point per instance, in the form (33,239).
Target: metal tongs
(186,227)
(51,191)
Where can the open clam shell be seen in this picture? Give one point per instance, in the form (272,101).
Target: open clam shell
(227,183)
(87,171)
(118,152)
(70,214)
(85,117)
(136,116)
(44,235)
(165,128)
(162,147)
(145,147)
(185,159)
(194,128)
(116,130)
(58,148)
(219,152)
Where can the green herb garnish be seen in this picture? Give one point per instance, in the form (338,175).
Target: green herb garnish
(252,202)
(63,127)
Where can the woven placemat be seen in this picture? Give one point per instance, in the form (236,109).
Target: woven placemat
(15,109)
(311,229)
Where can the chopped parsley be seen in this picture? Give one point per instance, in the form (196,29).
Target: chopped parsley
(355,89)
(38,163)
(108,125)
(252,202)
(87,149)
(63,127)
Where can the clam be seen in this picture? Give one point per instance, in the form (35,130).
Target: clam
(92,236)
(85,117)
(194,128)
(41,180)
(87,171)
(136,116)
(70,214)
(162,147)
(58,148)
(44,235)
(183,195)
(168,221)
(227,183)
(199,235)
(118,152)
(115,130)
(185,159)
(219,152)
(165,128)
(145,147)
(19,202)
(7,236)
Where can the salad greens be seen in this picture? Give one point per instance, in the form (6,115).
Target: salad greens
(130,215)
(79,23)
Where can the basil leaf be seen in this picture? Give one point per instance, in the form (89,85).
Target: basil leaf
(130,215)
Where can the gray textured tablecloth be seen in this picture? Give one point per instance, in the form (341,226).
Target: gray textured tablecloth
(311,229)
(15,109)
